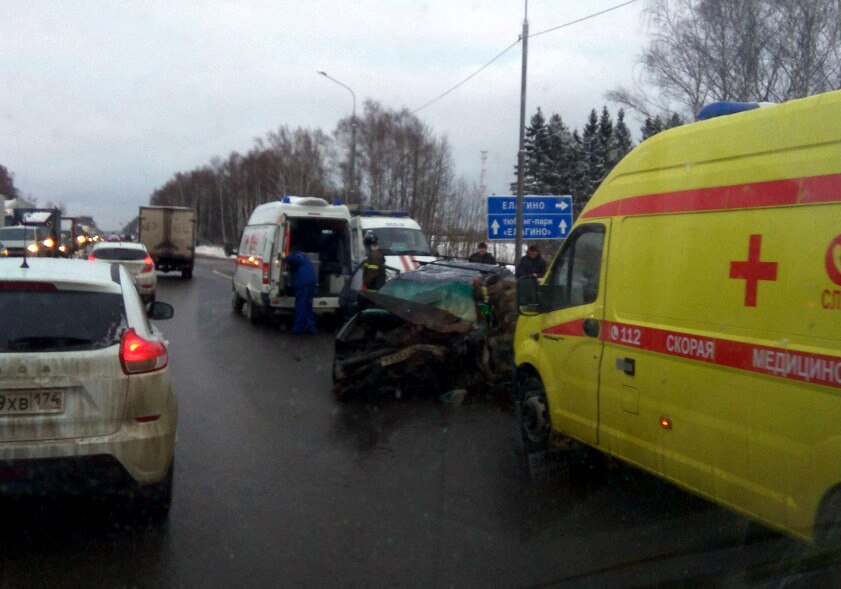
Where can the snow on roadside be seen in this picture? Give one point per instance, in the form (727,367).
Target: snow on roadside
(211,251)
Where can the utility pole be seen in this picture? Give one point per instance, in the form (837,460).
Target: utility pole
(521,154)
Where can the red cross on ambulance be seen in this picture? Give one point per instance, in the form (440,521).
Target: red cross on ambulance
(753,270)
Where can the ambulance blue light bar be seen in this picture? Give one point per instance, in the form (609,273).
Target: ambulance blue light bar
(337,202)
(375,213)
(721,109)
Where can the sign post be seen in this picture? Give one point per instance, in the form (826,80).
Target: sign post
(544,217)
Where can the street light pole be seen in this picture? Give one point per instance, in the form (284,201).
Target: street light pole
(352,192)
(521,154)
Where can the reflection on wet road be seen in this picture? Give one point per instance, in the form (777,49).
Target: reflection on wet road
(277,484)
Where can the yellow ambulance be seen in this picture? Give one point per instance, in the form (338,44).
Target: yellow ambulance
(691,322)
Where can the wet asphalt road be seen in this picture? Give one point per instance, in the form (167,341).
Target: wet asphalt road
(278,485)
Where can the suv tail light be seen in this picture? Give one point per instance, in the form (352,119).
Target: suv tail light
(91,258)
(148,265)
(138,355)
(266,272)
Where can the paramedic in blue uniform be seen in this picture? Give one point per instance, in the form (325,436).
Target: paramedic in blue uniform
(303,283)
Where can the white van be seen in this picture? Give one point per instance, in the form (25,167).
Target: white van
(311,225)
(400,238)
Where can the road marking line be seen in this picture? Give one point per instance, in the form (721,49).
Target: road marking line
(222,274)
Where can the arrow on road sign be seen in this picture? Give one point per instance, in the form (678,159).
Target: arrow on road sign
(563,226)
(495,226)
(561,205)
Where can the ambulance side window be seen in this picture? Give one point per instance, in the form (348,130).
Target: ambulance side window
(574,279)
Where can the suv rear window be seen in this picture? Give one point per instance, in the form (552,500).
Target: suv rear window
(119,253)
(54,321)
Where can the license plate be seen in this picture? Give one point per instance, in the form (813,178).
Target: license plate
(31,402)
(395,358)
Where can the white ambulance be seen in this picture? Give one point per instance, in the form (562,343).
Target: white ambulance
(261,281)
(400,238)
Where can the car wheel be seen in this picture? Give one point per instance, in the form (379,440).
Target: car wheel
(154,501)
(828,526)
(252,312)
(187,272)
(237,302)
(535,425)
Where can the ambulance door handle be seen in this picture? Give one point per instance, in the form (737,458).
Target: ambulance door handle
(626,365)
(591,327)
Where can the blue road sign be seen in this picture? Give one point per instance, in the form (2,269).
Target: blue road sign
(544,217)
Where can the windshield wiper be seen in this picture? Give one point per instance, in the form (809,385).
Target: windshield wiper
(46,342)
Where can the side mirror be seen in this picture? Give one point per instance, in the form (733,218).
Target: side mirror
(528,299)
(159,311)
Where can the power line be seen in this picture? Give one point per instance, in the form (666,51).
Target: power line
(507,49)
(588,17)
(468,78)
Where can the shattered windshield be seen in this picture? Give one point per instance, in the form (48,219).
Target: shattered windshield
(442,286)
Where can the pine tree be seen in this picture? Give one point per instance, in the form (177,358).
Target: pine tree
(593,156)
(622,138)
(653,126)
(537,164)
(561,157)
(579,173)
(606,143)
(675,121)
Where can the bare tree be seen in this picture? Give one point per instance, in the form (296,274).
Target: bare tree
(766,50)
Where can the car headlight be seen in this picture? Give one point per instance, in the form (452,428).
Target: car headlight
(81,238)
(48,243)
(32,248)
(62,248)
(4,252)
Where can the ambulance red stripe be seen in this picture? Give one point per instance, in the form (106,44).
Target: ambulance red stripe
(571,328)
(774,193)
(773,361)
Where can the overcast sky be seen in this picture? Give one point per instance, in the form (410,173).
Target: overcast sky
(103,100)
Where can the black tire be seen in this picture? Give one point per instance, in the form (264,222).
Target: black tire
(187,273)
(828,524)
(154,501)
(252,312)
(237,302)
(533,416)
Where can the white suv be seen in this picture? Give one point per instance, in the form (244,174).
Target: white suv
(86,396)
(135,259)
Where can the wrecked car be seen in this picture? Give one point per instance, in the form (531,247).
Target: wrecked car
(446,326)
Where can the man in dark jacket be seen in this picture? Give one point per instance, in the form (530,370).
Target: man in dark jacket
(373,267)
(303,283)
(482,255)
(531,264)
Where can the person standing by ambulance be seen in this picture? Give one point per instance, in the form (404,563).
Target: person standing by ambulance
(373,267)
(531,264)
(304,281)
